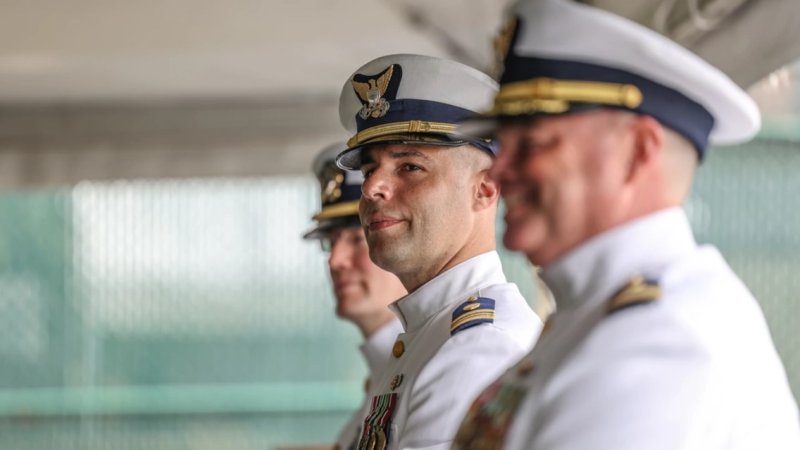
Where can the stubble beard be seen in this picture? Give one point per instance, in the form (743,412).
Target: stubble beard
(390,254)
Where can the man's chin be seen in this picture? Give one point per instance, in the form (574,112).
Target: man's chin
(349,297)
(527,241)
(517,239)
(346,311)
(385,258)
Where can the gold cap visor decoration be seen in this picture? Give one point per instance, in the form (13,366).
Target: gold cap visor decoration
(401,131)
(552,96)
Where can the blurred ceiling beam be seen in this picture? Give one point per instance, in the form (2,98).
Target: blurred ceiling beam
(43,146)
(116,50)
(747,39)
(108,89)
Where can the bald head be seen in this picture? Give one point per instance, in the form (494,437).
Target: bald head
(680,162)
(661,162)
(472,159)
(474,164)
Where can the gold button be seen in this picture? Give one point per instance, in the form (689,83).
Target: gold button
(472,298)
(398,349)
(547,325)
(472,306)
(525,368)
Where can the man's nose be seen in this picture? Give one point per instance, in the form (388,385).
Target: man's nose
(502,163)
(376,185)
(340,254)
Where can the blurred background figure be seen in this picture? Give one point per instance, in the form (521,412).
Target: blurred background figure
(363,290)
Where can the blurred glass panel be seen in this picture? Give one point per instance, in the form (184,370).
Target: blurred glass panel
(778,98)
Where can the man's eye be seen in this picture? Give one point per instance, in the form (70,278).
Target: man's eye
(411,167)
(527,148)
(538,144)
(367,171)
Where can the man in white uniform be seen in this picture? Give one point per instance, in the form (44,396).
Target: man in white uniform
(363,290)
(655,343)
(428,210)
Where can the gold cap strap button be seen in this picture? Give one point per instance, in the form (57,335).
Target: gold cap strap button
(398,349)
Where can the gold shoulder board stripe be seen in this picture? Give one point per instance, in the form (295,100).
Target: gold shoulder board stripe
(637,291)
(470,316)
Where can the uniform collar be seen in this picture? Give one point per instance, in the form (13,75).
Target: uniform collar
(596,269)
(453,285)
(375,348)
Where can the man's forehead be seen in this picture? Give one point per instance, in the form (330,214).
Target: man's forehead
(540,123)
(518,128)
(397,151)
(532,122)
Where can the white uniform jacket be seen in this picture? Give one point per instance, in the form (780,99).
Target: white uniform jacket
(693,369)
(376,350)
(462,330)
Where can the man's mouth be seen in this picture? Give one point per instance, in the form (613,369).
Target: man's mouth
(518,196)
(377,222)
(342,286)
(513,200)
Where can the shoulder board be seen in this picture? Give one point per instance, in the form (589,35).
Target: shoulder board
(638,291)
(474,311)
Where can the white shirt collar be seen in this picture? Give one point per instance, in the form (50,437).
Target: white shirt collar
(453,285)
(376,349)
(596,269)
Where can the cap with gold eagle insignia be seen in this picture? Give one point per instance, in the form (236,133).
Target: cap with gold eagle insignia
(412,99)
(559,56)
(340,191)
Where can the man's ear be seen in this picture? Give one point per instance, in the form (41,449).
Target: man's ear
(648,144)
(487,190)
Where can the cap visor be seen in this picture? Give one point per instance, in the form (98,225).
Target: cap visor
(326,227)
(350,159)
(479,126)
